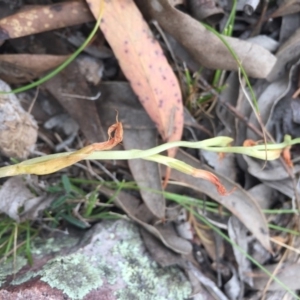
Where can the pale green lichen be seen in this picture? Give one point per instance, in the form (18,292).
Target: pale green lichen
(107,272)
(78,274)
(144,278)
(9,267)
(24,278)
(51,245)
(71,274)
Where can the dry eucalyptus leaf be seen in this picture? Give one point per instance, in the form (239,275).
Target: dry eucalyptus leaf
(146,173)
(274,175)
(213,244)
(161,254)
(65,86)
(289,24)
(229,95)
(238,234)
(233,287)
(182,54)
(176,2)
(33,206)
(286,7)
(208,283)
(276,107)
(42,18)
(264,195)
(239,202)
(287,55)
(287,274)
(266,103)
(22,68)
(144,64)
(142,215)
(225,165)
(18,130)
(205,46)
(207,10)
(264,41)
(120,96)
(13,195)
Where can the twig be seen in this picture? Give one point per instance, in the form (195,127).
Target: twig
(92,98)
(250,6)
(34,100)
(237,114)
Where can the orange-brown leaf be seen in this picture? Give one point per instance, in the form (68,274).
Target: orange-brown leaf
(249,143)
(144,64)
(286,154)
(213,179)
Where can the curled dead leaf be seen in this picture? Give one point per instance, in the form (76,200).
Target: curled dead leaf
(213,179)
(286,154)
(249,143)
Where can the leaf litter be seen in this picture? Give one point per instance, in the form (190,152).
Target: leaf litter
(128,67)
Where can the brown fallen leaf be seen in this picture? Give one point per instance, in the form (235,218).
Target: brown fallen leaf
(139,213)
(22,68)
(146,173)
(13,194)
(18,201)
(207,10)
(288,274)
(286,7)
(275,176)
(120,95)
(286,154)
(42,18)
(240,203)
(205,46)
(83,111)
(161,254)
(238,234)
(208,238)
(144,64)
(287,56)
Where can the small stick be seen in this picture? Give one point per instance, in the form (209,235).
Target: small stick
(93,98)
(250,6)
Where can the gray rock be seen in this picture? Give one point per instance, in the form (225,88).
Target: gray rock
(109,262)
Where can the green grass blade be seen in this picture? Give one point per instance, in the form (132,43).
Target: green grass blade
(234,55)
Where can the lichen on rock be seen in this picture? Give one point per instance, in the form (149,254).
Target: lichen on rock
(111,262)
(72,274)
(9,267)
(143,277)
